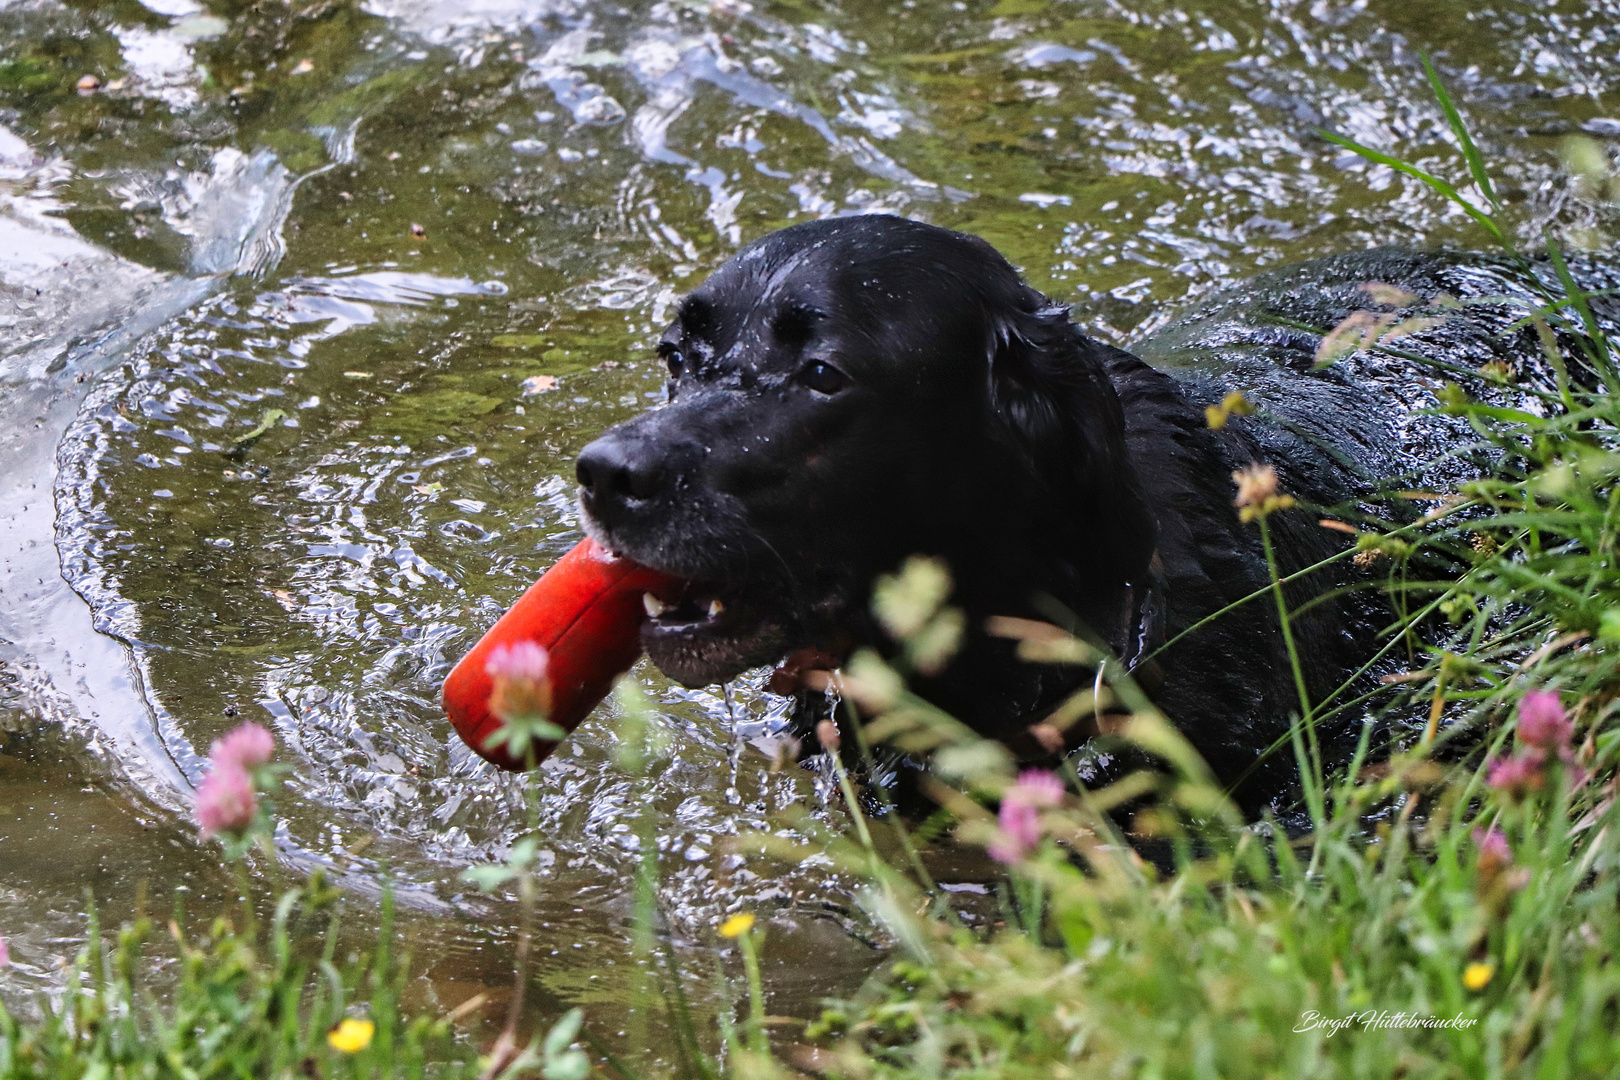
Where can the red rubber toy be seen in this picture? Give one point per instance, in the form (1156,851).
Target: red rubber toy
(587,613)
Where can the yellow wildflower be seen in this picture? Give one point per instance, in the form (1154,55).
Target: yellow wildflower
(1233,404)
(351,1036)
(1477,975)
(737,925)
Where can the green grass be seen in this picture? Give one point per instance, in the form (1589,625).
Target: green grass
(1427,924)
(248,1001)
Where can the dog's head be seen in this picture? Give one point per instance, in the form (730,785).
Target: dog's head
(844,393)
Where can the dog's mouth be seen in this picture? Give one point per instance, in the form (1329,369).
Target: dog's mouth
(697,609)
(699,634)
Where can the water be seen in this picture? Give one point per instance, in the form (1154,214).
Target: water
(369,228)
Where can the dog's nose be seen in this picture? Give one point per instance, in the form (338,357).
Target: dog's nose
(613,468)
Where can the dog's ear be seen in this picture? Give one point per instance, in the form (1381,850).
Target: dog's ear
(1053,405)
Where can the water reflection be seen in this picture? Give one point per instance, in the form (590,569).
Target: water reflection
(349,286)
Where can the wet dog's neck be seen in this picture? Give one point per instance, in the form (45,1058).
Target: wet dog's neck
(1075,552)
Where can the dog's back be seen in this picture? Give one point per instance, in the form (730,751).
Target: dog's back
(1341,426)
(847,392)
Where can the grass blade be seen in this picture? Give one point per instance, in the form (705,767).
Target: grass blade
(1484,220)
(1476,163)
(1597,343)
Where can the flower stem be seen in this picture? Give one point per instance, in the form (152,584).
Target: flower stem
(1310,763)
(756,994)
(505,1048)
(854,804)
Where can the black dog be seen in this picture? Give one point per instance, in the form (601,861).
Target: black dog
(848,392)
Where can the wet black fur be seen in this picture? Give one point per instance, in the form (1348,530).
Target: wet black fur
(1051,471)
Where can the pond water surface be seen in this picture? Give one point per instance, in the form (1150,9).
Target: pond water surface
(306,309)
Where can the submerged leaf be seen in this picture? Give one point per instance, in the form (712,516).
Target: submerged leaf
(269,419)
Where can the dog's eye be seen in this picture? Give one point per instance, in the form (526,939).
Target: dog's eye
(823,378)
(672,357)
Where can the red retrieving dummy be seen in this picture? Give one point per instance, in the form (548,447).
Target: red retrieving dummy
(586,611)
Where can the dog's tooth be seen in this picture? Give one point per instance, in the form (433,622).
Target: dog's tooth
(715,608)
(655,607)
